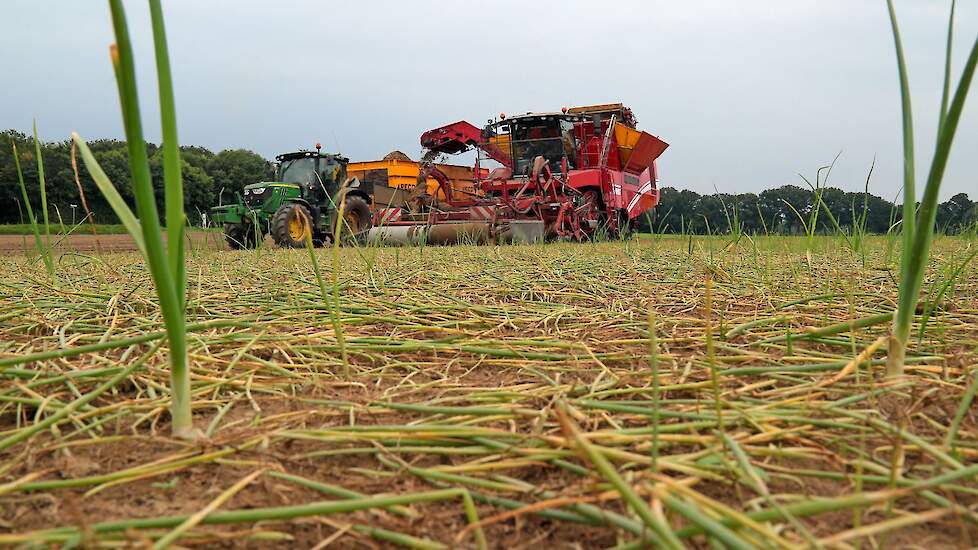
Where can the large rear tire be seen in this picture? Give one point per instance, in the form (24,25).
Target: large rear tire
(289,225)
(356,219)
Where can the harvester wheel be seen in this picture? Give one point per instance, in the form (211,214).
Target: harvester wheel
(289,225)
(240,236)
(626,227)
(356,218)
(593,216)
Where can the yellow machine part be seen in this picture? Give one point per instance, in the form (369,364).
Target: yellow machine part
(626,138)
(603,108)
(403,174)
(501,141)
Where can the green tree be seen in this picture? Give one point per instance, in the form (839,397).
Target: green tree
(203,172)
(198,185)
(839,204)
(11,209)
(232,169)
(956,214)
(746,205)
(676,208)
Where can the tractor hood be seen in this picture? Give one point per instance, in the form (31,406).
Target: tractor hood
(261,184)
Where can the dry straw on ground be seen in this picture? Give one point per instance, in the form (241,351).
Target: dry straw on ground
(462,362)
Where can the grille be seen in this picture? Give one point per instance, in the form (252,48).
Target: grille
(254,197)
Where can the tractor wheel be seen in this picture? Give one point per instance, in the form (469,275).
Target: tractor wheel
(252,237)
(241,236)
(289,225)
(236,236)
(356,219)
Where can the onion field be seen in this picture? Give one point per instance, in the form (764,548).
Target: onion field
(668,391)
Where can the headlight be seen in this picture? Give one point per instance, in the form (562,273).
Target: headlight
(246,192)
(258,191)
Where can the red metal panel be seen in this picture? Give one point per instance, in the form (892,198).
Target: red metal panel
(579,179)
(632,187)
(647,195)
(387,215)
(458,137)
(646,150)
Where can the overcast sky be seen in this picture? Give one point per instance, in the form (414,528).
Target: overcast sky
(749,93)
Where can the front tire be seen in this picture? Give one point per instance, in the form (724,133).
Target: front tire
(289,225)
(240,236)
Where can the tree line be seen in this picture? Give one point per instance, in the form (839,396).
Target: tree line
(794,210)
(788,209)
(205,174)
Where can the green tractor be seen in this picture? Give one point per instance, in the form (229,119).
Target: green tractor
(303,195)
(246,221)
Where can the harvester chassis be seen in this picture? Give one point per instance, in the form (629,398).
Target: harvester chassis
(606,179)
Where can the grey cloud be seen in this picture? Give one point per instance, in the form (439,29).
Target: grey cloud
(748,93)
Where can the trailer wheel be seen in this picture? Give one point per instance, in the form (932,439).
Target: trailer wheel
(289,225)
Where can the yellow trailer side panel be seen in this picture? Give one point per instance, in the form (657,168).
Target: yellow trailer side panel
(404,174)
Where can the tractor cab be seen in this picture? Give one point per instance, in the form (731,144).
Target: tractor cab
(550,135)
(317,173)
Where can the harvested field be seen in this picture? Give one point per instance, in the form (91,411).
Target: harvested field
(24,244)
(516,378)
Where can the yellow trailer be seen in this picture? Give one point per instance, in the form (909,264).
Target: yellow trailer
(398,171)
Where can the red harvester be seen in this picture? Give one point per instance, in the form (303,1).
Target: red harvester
(558,175)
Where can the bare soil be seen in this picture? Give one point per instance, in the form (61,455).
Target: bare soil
(437,336)
(16,245)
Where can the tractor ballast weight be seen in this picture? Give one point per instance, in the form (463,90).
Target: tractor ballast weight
(560,175)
